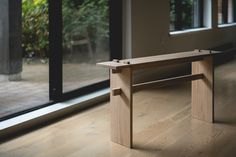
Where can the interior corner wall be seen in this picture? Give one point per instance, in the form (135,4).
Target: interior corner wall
(150,31)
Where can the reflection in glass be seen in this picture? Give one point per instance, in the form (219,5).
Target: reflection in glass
(85,42)
(226,11)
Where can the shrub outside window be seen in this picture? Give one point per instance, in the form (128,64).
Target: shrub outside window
(189,14)
(186,14)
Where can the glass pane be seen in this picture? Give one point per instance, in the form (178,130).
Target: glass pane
(222,11)
(23,55)
(220,16)
(185,14)
(226,11)
(85,42)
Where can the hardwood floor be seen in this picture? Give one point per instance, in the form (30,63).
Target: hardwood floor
(162,127)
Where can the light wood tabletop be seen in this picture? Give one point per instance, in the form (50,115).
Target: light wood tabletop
(158,60)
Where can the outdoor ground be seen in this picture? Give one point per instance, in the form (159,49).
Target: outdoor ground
(33,89)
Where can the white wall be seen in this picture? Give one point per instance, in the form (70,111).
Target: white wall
(150,31)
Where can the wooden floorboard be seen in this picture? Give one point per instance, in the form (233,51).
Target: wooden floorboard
(162,127)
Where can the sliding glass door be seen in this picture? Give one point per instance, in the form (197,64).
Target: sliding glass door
(49,50)
(83,32)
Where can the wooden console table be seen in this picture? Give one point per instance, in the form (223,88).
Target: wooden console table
(122,87)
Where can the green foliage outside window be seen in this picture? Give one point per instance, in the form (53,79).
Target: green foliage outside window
(79,17)
(82,17)
(186,13)
(35,27)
